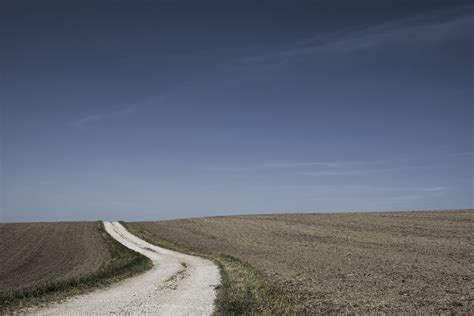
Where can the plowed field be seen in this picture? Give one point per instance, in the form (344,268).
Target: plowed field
(401,262)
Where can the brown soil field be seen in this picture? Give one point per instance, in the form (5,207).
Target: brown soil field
(42,261)
(36,252)
(397,262)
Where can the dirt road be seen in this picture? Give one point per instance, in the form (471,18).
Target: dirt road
(178,284)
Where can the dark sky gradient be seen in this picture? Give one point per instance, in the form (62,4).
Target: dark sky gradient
(166,109)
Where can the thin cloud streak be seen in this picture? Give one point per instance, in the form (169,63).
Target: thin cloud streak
(372,188)
(334,164)
(434,189)
(360,171)
(285,165)
(335,168)
(338,167)
(88,120)
(232,169)
(365,188)
(124,111)
(431,26)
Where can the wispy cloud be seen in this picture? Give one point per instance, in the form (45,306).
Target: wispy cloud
(432,26)
(331,164)
(361,171)
(434,189)
(329,168)
(372,188)
(87,120)
(353,167)
(283,165)
(109,114)
(97,117)
(335,172)
(128,110)
(366,188)
(232,169)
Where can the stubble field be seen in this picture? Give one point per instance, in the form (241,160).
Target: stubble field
(399,262)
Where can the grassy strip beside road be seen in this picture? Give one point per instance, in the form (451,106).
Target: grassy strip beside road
(243,290)
(123,263)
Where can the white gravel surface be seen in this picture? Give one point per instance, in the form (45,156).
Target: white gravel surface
(178,284)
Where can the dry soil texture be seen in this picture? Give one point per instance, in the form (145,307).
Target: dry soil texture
(35,253)
(178,284)
(400,262)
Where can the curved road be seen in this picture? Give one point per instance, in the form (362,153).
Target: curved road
(178,284)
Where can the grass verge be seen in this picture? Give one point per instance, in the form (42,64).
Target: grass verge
(124,263)
(244,290)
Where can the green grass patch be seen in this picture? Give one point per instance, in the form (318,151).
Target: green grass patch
(244,290)
(124,263)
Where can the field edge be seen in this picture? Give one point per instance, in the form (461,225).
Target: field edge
(124,263)
(243,290)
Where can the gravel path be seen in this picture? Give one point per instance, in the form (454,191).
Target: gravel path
(178,284)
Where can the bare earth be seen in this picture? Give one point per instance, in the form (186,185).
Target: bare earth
(32,253)
(397,262)
(177,284)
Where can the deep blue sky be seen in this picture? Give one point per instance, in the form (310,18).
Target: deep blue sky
(166,109)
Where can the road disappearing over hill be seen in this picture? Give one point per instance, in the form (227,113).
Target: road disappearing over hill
(177,284)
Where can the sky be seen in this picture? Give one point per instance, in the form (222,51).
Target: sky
(151,110)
